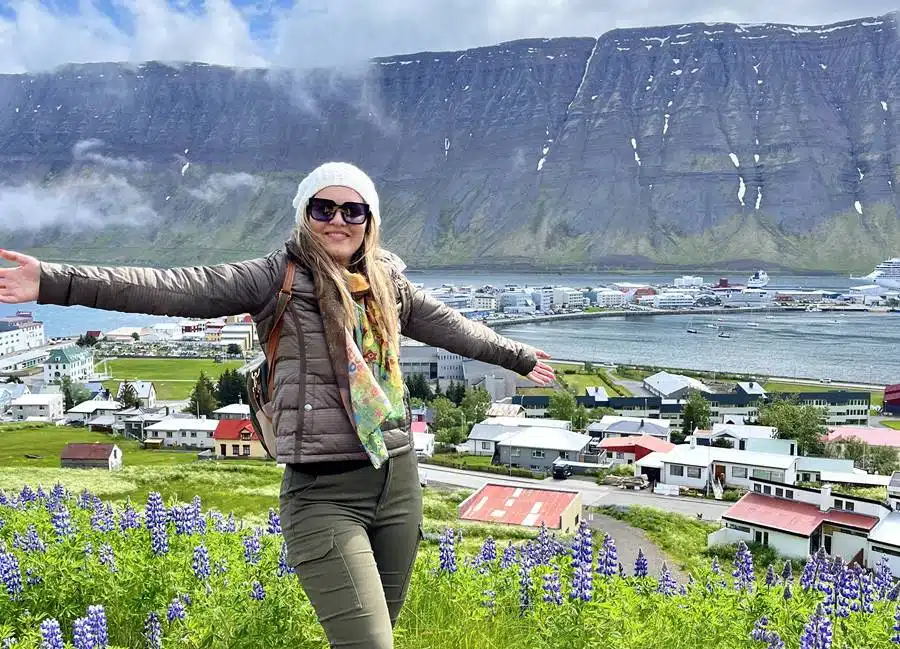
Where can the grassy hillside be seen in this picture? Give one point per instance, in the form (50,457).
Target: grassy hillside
(174,378)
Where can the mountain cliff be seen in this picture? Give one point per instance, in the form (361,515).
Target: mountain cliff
(697,144)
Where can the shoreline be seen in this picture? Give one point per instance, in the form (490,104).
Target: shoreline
(634,313)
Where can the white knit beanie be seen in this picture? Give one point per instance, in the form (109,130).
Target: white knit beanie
(341,174)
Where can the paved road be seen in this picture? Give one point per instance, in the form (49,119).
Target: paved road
(592,494)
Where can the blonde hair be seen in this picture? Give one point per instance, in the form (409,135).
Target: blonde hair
(366,262)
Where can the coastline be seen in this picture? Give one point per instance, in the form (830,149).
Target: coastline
(634,313)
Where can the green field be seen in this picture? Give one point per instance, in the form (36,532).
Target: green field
(581,380)
(895,424)
(779,386)
(174,378)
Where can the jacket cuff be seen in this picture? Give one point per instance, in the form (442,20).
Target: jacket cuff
(54,284)
(527,361)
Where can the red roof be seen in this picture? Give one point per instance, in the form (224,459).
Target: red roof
(87,451)
(419,427)
(892,393)
(791,515)
(495,503)
(641,445)
(230,429)
(869,434)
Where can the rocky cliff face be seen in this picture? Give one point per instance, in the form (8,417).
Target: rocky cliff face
(683,145)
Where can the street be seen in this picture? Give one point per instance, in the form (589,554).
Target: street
(592,494)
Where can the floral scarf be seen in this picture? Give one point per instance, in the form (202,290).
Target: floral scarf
(376,382)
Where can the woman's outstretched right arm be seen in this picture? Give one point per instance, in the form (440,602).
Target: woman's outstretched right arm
(196,291)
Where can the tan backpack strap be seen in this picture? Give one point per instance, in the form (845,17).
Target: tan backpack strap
(284,297)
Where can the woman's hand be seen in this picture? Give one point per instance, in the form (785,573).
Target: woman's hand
(542,374)
(22,282)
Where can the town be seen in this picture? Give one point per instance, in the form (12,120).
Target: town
(804,466)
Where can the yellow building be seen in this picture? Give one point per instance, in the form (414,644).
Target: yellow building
(236,438)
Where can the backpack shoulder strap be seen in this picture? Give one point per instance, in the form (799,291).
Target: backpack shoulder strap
(284,297)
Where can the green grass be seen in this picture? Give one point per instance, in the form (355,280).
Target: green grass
(579,380)
(173,378)
(781,386)
(891,423)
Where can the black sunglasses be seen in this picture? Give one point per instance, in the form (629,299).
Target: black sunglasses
(323,209)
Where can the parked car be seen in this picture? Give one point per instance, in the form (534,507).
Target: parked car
(561,471)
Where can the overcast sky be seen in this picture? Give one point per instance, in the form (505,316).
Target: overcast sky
(41,34)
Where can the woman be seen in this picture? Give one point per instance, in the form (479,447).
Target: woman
(351,504)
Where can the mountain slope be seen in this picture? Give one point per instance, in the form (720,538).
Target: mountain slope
(682,145)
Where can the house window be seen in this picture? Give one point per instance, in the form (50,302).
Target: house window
(849,506)
(883,550)
(761,538)
(789,493)
(193,434)
(693,472)
(779,492)
(838,503)
(620,456)
(247,450)
(515,452)
(235,449)
(676,469)
(757,488)
(735,526)
(564,455)
(537,453)
(485,446)
(738,472)
(767,490)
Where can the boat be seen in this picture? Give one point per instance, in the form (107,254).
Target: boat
(712,325)
(690,328)
(752,324)
(759,279)
(724,334)
(886,274)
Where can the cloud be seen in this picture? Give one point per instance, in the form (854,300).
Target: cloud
(84,151)
(344,33)
(77,201)
(218,185)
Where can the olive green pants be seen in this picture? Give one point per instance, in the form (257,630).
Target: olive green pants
(352,539)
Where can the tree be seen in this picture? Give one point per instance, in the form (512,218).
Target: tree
(73,393)
(695,414)
(475,405)
(231,388)
(233,349)
(87,340)
(418,387)
(448,422)
(456,392)
(596,414)
(873,459)
(203,397)
(562,405)
(580,418)
(804,424)
(129,396)
(589,367)
(135,336)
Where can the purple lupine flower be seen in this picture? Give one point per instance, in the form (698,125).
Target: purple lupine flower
(159,540)
(102,519)
(82,634)
(552,594)
(641,569)
(447,551)
(894,593)
(667,584)
(97,618)
(525,584)
(787,573)
(41,494)
(88,549)
(58,492)
(176,610)
(896,637)
(4,499)
(229,525)
(183,518)
(30,541)
(509,556)
(488,550)
(273,525)
(257,592)
(200,565)
(488,599)
(51,635)
(155,512)
(27,496)
(11,574)
(743,568)
(817,634)
(715,566)
(787,592)
(8,642)
(32,578)
(85,500)
(810,574)
(884,578)
(107,557)
(2,523)
(608,558)
(771,577)
(762,633)
(62,523)
(199,518)
(152,631)
(283,567)
(128,519)
(826,585)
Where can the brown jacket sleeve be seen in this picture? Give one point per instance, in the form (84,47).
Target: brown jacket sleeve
(425,319)
(197,291)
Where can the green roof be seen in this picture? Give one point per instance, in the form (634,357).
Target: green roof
(68,355)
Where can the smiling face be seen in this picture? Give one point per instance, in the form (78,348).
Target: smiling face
(340,240)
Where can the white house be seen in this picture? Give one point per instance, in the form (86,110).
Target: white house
(75,362)
(537,448)
(609,298)
(697,466)
(424,442)
(87,410)
(182,431)
(673,386)
(38,407)
(233,411)
(144,390)
(746,438)
(616,426)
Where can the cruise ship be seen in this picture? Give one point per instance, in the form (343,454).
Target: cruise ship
(759,279)
(886,274)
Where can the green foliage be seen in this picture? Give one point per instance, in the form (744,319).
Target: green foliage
(872,459)
(231,388)
(203,397)
(86,340)
(456,392)
(562,406)
(696,413)
(73,392)
(804,424)
(233,349)
(475,405)
(476,463)
(418,388)
(580,417)
(129,396)
(448,424)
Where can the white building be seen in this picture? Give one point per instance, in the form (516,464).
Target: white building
(543,298)
(484,302)
(181,431)
(567,298)
(688,280)
(88,410)
(673,386)
(75,362)
(242,334)
(696,467)
(232,411)
(145,391)
(610,298)
(616,426)
(516,302)
(20,333)
(749,297)
(672,300)
(745,438)
(485,435)
(38,407)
